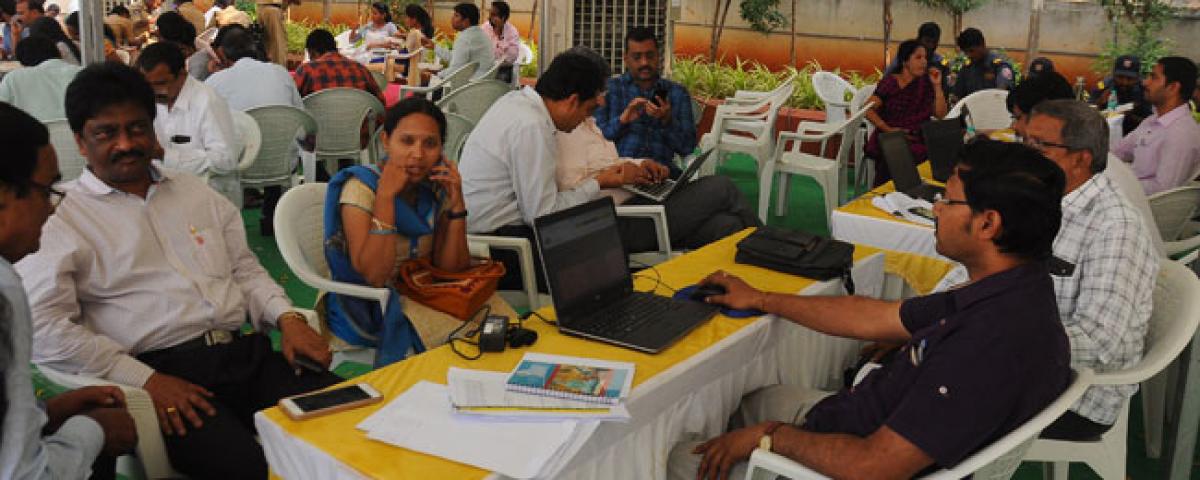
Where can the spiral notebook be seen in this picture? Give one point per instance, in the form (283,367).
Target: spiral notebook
(574,378)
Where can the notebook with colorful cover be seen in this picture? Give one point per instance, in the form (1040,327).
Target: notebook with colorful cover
(572,378)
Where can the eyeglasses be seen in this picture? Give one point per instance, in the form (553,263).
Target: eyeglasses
(55,195)
(1041,145)
(938,198)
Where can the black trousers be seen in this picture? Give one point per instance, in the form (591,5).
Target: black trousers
(1073,426)
(245,376)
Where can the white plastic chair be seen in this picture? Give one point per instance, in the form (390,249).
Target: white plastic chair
(1172,324)
(278,125)
(524,58)
(996,461)
(831,88)
(657,214)
(458,128)
(1173,211)
(70,161)
(829,173)
(150,454)
(480,246)
(340,114)
(450,80)
(745,127)
(474,99)
(251,138)
(986,110)
(746,97)
(864,168)
(490,74)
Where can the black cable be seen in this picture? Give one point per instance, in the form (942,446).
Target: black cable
(486,309)
(657,277)
(544,319)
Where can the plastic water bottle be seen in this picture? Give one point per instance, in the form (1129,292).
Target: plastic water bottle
(1112,101)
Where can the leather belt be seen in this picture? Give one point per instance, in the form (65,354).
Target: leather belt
(210,338)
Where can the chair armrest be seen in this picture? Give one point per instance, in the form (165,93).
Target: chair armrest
(778,464)
(524,253)
(379,295)
(1182,246)
(656,213)
(150,448)
(435,83)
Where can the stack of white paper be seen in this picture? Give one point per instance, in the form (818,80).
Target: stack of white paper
(901,205)
(422,419)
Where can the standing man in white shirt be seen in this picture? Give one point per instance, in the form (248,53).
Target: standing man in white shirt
(63,437)
(144,278)
(194,128)
(506,40)
(38,88)
(471,44)
(248,82)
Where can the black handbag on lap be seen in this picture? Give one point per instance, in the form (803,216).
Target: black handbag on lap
(798,253)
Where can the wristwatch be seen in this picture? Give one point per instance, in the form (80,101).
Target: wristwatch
(456,215)
(765,442)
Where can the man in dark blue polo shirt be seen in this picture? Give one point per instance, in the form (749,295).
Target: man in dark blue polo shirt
(977,361)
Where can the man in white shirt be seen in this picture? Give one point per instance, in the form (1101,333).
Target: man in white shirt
(144,278)
(471,44)
(508,162)
(40,87)
(61,438)
(248,83)
(194,128)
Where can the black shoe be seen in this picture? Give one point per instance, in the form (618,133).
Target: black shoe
(251,198)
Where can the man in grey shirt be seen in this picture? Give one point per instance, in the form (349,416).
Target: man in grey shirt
(471,44)
(63,438)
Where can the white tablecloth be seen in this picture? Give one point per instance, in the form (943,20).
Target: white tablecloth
(888,234)
(695,396)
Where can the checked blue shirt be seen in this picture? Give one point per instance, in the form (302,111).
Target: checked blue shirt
(647,137)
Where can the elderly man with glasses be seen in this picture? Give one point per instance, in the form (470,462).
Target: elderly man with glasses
(1104,262)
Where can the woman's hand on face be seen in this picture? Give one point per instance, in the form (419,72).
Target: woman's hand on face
(445,174)
(395,178)
(935,76)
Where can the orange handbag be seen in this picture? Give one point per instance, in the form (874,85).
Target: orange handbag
(459,294)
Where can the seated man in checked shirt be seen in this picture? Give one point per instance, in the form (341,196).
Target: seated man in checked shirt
(144,278)
(1105,263)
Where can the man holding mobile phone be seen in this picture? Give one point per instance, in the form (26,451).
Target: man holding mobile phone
(647,116)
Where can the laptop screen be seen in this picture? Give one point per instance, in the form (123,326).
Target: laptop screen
(899,160)
(584,258)
(943,139)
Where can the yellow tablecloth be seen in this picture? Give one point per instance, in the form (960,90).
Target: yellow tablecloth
(335,434)
(862,223)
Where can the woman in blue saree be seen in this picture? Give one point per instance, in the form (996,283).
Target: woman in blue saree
(408,206)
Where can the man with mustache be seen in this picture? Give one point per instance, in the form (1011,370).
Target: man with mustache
(144,278)
(193,123)
(647,116)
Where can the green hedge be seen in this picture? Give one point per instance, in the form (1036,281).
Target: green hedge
(716,80)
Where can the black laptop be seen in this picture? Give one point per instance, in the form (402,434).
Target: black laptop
(943,141)
(894,146)
(592,288)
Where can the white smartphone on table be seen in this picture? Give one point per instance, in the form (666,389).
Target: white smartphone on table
(309,405)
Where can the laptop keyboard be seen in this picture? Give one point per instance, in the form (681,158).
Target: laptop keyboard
(628,316)
(657,189)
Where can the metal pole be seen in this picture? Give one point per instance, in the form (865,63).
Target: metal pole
(91,31)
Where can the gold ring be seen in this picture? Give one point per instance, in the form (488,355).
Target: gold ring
(171,410)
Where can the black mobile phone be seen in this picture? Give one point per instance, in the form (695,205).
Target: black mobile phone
(660,92)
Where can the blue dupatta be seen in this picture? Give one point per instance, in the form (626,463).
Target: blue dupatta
(356,320)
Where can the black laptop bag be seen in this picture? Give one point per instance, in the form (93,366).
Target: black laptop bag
(798,253)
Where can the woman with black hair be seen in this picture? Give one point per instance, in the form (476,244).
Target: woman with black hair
(50,28)
(375,33)
(419,24)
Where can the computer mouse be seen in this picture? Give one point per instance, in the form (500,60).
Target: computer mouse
(706,290)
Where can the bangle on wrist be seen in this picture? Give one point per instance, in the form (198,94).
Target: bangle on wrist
(377,224)
(456,215)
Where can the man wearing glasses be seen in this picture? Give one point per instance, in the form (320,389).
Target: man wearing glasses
(977,361)
(1104,262)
